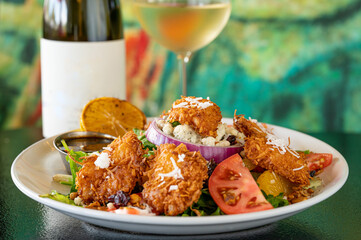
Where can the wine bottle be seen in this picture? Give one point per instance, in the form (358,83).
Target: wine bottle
(82,58)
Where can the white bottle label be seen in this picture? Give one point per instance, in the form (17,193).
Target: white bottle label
(72,74)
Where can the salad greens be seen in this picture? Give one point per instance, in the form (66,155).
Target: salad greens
(146,144)
(63,179)
(305,152)
(276,201)
(59,197)
(175,123)
(72,158)
(205,206)
(314,183)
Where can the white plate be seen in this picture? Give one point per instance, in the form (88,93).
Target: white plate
(33,169)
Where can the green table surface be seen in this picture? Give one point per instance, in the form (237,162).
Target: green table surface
(338,217)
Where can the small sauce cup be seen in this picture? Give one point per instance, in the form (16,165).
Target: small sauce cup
(88,142)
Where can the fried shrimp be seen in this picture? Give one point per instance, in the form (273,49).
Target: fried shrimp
(287,164)
(118,167)
(264,149)
(202,115)
(248,127)
(175,179)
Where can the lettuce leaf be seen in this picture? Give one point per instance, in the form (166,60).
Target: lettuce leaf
(59,197)
(74,168)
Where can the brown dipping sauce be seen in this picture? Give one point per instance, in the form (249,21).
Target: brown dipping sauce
(86,144)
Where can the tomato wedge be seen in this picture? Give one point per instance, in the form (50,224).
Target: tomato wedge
(233,188)
(318,161)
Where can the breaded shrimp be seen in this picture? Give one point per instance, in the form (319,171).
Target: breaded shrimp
(264,149)
(175,179)
(248,127)
(290,165)
(120,167)
(202,115)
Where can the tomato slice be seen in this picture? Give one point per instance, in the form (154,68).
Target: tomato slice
(318,161)
(233,188)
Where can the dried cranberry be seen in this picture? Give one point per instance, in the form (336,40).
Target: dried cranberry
(231,139)
(120,199)
(211,165)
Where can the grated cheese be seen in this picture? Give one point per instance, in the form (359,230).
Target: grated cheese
(103,160)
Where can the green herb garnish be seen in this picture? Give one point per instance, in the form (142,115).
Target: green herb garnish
(175,123)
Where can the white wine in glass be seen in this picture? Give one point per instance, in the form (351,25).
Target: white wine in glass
(183,26)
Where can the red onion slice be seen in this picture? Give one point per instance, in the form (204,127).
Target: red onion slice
(157,137)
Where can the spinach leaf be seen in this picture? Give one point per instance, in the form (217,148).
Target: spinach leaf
(276,201)
(205,206)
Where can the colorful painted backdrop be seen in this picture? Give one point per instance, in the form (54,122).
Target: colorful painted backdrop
(292,63)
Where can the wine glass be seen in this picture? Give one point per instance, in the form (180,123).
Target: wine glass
(182,26)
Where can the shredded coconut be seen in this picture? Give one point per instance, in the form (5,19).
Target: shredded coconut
(277,143)
(176,173)
(181,157)
(296,169)
(181,105)
(103,160)
(193,102)
(280,144)
(173,187)
(160,184)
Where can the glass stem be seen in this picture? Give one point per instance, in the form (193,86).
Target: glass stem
(183,59)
